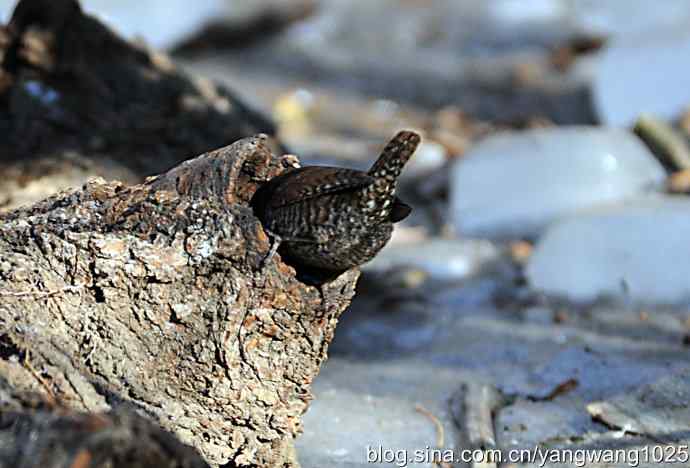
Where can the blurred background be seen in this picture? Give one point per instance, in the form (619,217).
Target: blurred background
(547,255)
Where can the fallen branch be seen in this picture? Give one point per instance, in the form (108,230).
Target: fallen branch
(473,408)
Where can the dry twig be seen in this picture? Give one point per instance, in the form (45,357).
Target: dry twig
(440,433)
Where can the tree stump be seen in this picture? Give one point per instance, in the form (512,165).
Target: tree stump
(157,296)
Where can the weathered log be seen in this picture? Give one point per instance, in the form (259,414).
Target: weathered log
(78,100)
(157,295)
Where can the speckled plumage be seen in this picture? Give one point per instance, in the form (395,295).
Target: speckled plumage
(334,218)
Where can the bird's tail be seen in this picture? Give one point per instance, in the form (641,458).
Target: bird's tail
(395,155)
(378,198)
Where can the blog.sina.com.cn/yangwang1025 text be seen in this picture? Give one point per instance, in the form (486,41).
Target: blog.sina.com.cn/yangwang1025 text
(632,456)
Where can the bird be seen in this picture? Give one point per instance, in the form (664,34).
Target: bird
(333,219)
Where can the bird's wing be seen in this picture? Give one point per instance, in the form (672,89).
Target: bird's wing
(308,182)
(400,210)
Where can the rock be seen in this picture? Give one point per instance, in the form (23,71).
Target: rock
(660,89)
(629,251)
(364,408)
(662,407)
(440,258)
(620,18)
(512,185)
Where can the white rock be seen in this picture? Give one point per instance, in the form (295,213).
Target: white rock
(512,185)
(440,258)
(636,251)
(648,74)
(617,18)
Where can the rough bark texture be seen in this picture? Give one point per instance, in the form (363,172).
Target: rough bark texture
(155,295)
(77,100)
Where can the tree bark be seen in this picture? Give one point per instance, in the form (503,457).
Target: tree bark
(157,296)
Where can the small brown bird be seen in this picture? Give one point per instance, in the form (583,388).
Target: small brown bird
(332,218)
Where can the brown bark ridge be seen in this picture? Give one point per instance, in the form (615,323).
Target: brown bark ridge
(157,296)
(78,100)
